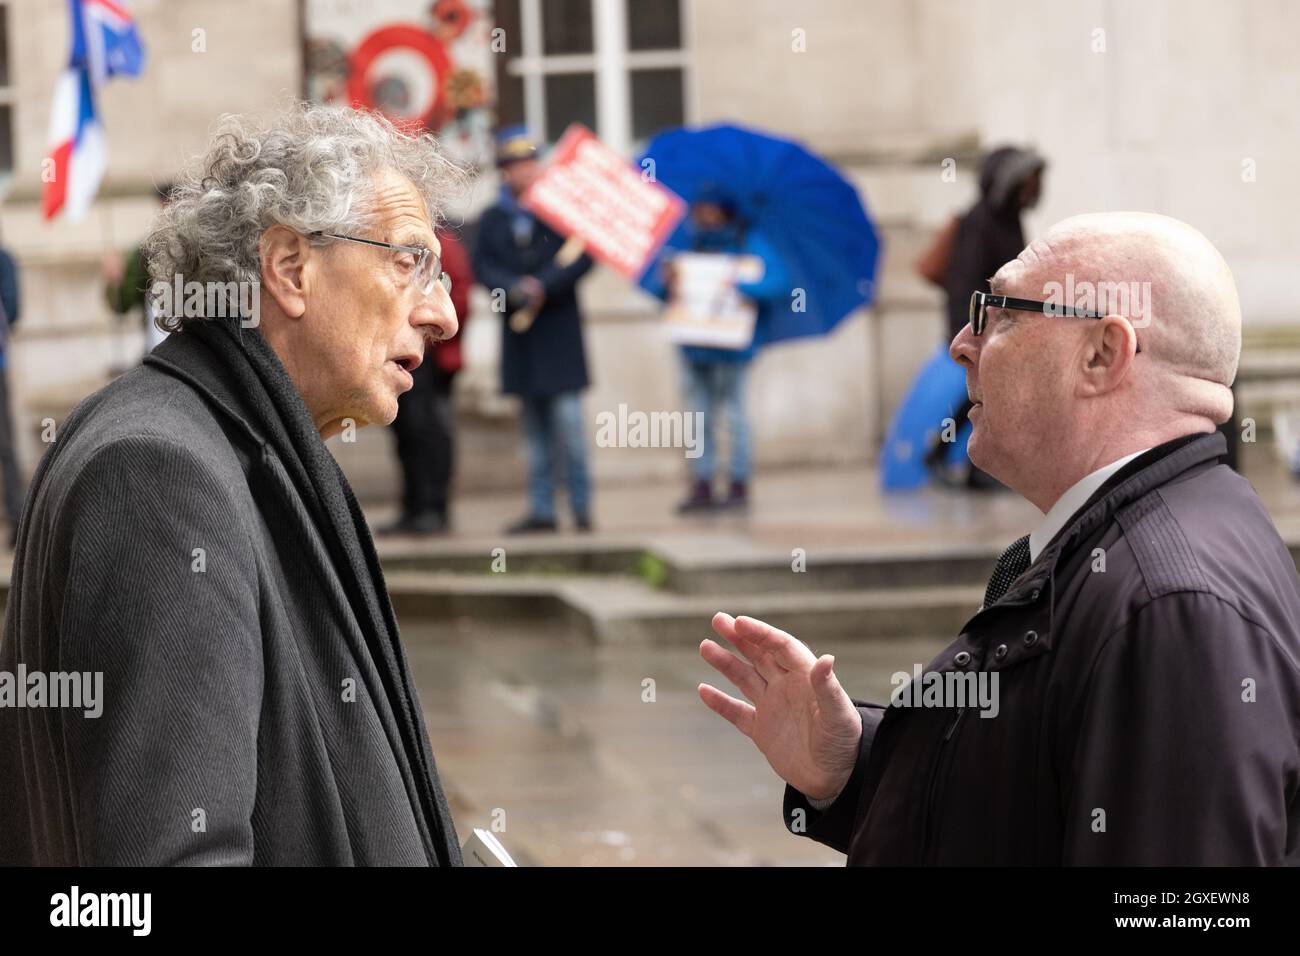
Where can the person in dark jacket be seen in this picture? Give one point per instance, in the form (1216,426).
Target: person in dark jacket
(425,427)
(543,360)
(10,303)
(1129,692)
(989,234)
(256,706)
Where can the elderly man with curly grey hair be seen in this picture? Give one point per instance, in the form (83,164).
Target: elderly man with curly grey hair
(257,707)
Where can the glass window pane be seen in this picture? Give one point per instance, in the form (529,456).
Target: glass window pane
(505,14)
(510,101)
(566,26)
(570,98)
(656,101)
(654,25)
(510,89)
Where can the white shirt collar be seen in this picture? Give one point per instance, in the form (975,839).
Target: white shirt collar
(1070,502)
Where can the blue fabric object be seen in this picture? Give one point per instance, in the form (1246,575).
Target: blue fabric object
(813,218)
(508,134)
(938,393)
(513,143)
(9,302)
(116,37)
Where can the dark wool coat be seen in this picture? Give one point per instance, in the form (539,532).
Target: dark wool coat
(189,536)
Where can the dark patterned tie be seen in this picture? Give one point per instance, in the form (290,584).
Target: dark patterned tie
(1012,564)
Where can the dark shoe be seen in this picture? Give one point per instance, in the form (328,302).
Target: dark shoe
(397,527)
(738,496)
(531,525)
(427,523)
(582,523)
(699,499)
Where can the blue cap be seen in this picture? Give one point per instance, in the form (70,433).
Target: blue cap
(514,144)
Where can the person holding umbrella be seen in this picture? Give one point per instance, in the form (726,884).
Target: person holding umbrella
(714,378)
(768,197)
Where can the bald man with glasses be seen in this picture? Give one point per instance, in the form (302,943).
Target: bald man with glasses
(1142,643)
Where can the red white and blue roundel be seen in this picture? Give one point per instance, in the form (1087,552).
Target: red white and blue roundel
(401,71)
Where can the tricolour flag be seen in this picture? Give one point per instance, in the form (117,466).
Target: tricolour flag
(104,44)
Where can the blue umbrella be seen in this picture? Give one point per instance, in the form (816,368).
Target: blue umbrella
(936,395)
(810,214)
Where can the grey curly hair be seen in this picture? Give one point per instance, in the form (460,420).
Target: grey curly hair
(311,169)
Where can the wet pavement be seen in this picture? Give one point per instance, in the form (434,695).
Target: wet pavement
(551,735)
(814,506)
(547,731)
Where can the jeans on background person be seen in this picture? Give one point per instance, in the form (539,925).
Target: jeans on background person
(554,429)
(718,388)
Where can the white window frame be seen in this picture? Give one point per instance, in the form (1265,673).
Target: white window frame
(610,61)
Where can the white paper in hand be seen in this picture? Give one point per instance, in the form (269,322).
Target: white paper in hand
(483,849)
(706,308)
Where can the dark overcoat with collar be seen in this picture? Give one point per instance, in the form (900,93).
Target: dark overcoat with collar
(549,358)
(1148,667)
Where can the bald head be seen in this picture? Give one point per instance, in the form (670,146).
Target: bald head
(1058,396)
(1168,280)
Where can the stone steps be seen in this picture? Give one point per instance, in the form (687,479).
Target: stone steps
(614,609)
(664,591)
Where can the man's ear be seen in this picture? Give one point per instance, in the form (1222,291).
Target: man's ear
(285,256)
(1108,353)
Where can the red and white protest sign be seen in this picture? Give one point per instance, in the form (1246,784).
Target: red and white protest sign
(589,192)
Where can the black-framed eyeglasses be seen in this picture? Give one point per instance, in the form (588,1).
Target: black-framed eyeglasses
(981,302)
(428,267)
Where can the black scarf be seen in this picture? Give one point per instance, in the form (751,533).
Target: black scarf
(268,391)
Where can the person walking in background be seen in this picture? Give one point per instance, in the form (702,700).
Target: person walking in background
(543,360)
(424,427)
(9,306)
(126,284)
(989,234)
(713,379)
